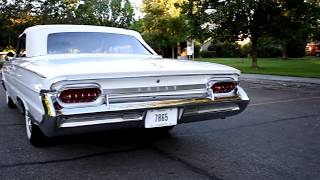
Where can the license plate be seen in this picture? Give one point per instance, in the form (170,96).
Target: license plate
(161,118)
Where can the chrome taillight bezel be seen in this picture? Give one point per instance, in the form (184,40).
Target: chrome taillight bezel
(98,101)
(221,95)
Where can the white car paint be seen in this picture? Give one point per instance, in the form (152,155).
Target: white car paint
(26,77)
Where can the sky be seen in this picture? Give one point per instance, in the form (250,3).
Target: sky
(137,8)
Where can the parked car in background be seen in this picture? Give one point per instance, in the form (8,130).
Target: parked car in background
(70,79)
(2,56)
(313,49)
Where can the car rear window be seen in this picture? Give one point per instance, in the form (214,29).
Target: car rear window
(94,42)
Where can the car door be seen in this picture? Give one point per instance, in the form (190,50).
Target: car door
(10,73)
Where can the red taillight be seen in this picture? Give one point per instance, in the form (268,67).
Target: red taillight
(80,95)
(223,87)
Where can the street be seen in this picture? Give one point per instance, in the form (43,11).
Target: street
(276,137)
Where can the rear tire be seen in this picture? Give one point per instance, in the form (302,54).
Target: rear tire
(10,102)
(34,134)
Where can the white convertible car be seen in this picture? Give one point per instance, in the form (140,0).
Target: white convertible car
(70,79)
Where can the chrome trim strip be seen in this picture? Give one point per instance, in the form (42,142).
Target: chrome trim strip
(47,100)
(158,98)
(167,93)
(138,90)
(96,122)
(218,110)
(187,94)
(99,118)
(213,110)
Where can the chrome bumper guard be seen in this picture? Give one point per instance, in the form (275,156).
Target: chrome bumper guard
(195,109)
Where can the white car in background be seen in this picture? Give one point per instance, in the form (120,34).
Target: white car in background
(70,79)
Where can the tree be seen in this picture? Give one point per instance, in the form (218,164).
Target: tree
(17,15)
(197,19)
(233,20)
(116,13)
(286,20)
(292,25)
(3,24)
(163,26)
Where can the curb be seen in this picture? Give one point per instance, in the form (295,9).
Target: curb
(281,78)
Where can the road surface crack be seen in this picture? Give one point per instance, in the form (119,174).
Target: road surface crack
(187,164)
(72,158)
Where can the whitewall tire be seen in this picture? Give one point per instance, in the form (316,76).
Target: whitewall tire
(9,102)
(34,134)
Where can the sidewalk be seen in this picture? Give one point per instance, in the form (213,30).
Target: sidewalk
(281,78)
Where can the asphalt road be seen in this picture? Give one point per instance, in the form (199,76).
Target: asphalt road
(277,137)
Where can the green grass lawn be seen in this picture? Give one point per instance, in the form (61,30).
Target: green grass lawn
(301,67)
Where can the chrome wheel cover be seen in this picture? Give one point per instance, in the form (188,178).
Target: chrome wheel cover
(7,98)
(28,124)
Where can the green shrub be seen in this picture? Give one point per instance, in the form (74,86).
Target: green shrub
(296,48)
(208,54)
(269,51)
(245,50)
(268,47)
(225,49)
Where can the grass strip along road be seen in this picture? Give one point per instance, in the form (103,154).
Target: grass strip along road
(300,67)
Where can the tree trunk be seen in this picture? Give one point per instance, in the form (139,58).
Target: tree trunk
(172,52)
(178,49)
(284,52)
(254,63)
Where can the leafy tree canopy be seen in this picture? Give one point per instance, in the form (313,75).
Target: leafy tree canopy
(163,26)
(17,15)
(239,19)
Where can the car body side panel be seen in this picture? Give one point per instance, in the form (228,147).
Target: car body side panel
(24,85)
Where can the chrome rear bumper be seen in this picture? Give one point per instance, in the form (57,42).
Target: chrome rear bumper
(189,110)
